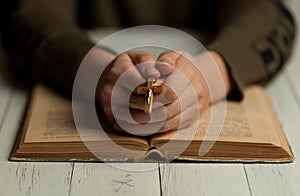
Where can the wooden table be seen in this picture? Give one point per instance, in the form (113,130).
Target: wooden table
(33,178)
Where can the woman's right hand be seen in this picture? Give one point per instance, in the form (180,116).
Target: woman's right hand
(141,65)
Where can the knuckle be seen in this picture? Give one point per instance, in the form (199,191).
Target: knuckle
(143,53)
(122,56)
(133,99)
(144,58)
(164,54)
(199,94)
(165,111)
(106,94)
(171,95)
(135,102)
(114,73)
(141,56)
(166,127)
(117,127)
(199,91)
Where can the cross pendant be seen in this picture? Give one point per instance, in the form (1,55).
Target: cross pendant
(148,89)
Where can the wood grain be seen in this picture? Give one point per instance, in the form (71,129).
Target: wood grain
(35,178)
(11,122)
(293,64)
(102,179)
(280,179)
(21,178)
(203,179)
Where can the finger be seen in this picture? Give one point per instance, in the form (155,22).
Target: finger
(164,68)
(124,71)
(167,96)
(186,118)
(136,129)
(202,93)
(133,116)
(148,70)
(145,63)
(109,114)
(140,56)
(137,101)
(186,64)
(167,61)
(174,85)
(179,80)
(117,94)
(160,114)
(178,121)
(187,98)
(151,71)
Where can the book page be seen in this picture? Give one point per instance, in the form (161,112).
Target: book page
(248,121)
(50,119)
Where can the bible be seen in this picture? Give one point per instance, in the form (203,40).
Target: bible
(250,132)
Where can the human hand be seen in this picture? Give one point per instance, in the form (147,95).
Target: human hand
(141,65)
(178,106)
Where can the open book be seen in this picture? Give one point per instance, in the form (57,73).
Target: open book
(251,133)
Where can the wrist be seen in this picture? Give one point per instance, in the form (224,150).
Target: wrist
(97,58)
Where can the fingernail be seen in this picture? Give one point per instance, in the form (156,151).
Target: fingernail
(164,63)
(151,71)
(164,67)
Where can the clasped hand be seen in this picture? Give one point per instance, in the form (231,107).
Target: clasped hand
(181,82)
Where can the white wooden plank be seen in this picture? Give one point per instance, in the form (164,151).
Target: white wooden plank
(293,73)
(20,178)
(293,67)
(203,179)
(12,122)
(274,179)
(294,61)
(35,178)
(102,179)
(283,179)
(280,179)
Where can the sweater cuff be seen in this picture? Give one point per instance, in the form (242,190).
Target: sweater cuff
(243,63)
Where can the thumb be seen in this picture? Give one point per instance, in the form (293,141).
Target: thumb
(145,63)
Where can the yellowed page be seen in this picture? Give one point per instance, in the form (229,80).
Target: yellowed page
(249,121)
(51,120)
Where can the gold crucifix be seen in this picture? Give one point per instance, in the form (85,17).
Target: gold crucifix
(149,89)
